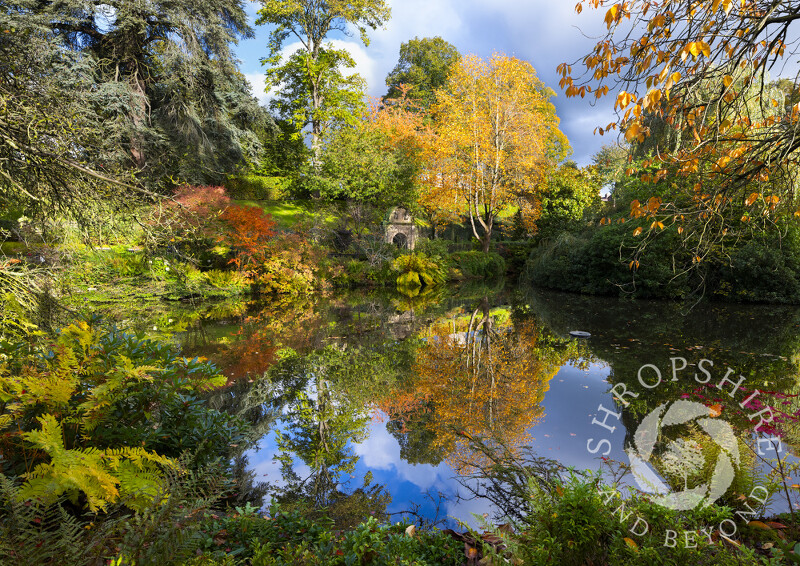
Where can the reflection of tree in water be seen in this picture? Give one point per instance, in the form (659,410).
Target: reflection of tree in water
(476,375)
(320,424)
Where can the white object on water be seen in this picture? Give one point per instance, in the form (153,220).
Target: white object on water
(579,334)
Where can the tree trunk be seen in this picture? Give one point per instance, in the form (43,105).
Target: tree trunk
(139,120)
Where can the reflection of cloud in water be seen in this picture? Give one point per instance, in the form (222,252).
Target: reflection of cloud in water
(261,460)
(381,451)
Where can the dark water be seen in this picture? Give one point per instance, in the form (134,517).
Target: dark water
(354,399)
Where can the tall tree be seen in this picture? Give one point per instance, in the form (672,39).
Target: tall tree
(54,155)
(425,65)
(166,78)
(495,137)
(701,69)
(314,90)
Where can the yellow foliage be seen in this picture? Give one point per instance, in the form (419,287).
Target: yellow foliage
(494,137)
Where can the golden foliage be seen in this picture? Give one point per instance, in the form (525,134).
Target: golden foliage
(486,381)
(495,134)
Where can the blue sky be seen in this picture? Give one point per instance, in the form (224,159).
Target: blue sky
(544,32)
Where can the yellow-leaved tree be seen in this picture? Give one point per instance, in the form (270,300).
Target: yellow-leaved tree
(495,135)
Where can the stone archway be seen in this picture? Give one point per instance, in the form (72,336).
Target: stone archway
(400,240)
(400,229)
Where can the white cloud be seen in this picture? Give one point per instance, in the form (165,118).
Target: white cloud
(257,84)
(381,451)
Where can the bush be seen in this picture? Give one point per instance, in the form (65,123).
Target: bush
(479,265)
(188,226)
(578,522)
(292,538)
(289,265)
(598,261)
(765,269)
(418,270)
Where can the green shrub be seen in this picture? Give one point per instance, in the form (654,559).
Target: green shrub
(479,265)
(762,268)
(578,521)
(418,270)
(597,262)
(257,187)
(292,538)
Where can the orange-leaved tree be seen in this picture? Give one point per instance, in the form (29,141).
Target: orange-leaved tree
(486,380)
(495,136)
(249,231)
(692,84)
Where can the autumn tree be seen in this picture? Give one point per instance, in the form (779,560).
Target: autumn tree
(313,90)
(485,380)
(425,65)
(697,73)
(495,137)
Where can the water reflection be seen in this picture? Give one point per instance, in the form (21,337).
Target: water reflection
(477,373)
(356,396)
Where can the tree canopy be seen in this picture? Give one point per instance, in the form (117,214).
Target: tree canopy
(697,73)
(424,64)
(495,136)
(167,87)
(313,91)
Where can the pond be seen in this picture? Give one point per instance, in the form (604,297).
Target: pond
(365,401)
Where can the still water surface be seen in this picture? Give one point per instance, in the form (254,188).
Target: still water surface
(368,396)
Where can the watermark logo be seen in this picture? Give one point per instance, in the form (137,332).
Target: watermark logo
(683,458)
(687,444)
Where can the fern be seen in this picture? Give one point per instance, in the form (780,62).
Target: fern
(101,475)
(165,532)
(31,534)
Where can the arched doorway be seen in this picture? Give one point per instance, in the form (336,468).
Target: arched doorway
(400,240)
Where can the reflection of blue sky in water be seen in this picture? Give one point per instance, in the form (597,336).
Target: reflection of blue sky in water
(570,404)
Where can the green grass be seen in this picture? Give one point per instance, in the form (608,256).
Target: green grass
(288,214)
(12,248)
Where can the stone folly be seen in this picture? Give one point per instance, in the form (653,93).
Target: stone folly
(400,229)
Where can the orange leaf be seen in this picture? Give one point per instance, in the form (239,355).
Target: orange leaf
(715,410)
(637,231)
(751,199)
(631,543)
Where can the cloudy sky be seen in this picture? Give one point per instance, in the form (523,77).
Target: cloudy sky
(544,32)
